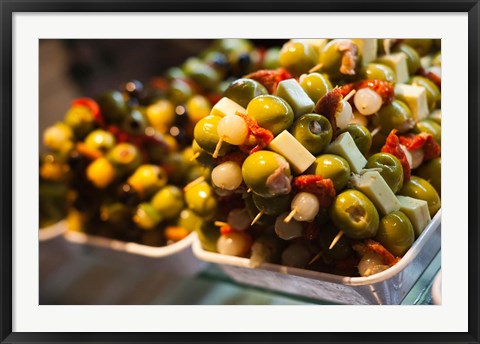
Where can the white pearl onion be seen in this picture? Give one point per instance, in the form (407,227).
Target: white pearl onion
(307,206)
(233,244)
(239,219)
(287,231)
(370,264)
(417,157)
(408,155)
(227,175)
(232,129)
(345,115)
(367,101)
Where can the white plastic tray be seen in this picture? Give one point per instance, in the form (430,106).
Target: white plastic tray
(387,287)
(176,259)
(437,289)
(52,232)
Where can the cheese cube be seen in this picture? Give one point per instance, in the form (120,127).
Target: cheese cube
(291,91)
(417,211)
(415,97)
(296,154)
(367,48)
(345,146)
(372,184)
(226,106)
(398,62)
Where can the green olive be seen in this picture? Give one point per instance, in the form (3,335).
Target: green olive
(253,211)
(437,59)
(113,106)
(230,45)
(377,71)
(392,170)
(135,122)
(361,135)
(422,46)
(333,167)
(125,157)
(168,201)
(419,188)
(198,171)
(355,214)
(208,235)
(58,137)
(434,96)
(80,119)
(341,249)
(431,171)
(188,220)
(267,174)
(271,112)
(331,58)
(243,90)
(175,167)
(271,59)
(413,59)
(179,91)
(313,131)
(148,179)
(202,156)
(436,116)
(146,216)
(100,140)
(395,233)
(173,73)
(273,205)
(430,127)
(316,85)
(200,72)
(201,199)
(395,115)
(206,135)
(298,57)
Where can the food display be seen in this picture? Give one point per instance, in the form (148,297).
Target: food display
(117,165)
(330,161)
(319,154)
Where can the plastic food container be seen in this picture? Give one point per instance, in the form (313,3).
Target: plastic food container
(52,232)
(387,287)
(437,289)
(176,259)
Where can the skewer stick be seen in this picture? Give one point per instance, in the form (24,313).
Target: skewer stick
(387,43)
(193,183)
(218,147)
(375,131)
(257,217)
(249,190)
(220,223)
(335,240)
(195,156)
(314,259)
(350,95)
(316,68)
(291,215)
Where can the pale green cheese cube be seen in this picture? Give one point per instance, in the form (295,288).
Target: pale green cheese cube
(367,48)
(417,211)
(296,154)
(291,91)
(398,62)
(345,146)
(226,106)
(372,184)
(415,97)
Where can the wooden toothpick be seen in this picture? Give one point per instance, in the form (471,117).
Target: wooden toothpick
(291,215)
(335,240)
(218,147)
(350,95)
(259,215)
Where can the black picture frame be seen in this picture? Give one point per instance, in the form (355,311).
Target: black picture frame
(9,7)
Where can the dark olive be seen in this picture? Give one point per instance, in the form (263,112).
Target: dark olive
(113,107)
(243,90)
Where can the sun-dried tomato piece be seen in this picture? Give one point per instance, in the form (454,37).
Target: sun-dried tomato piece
(270,77)
(392,146)
(431,149)
(349,57)
(384,89)
(321,187)
(387,257)
(262,136)
(328,105)
(225,229)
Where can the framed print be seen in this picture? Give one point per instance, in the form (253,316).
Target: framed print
(166,172)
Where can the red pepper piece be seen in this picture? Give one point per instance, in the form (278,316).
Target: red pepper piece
(263,136)
(270,77)
(327,106)
(392,146)
(431,149)
(320,187)
(383,88)
(93,106)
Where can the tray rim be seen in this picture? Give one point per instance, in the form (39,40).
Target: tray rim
(52,231)
(220,259)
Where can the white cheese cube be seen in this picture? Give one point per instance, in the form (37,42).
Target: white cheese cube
(226,106)
(345,146)
(415,97)
(296,154)
(368,49)
(417,211)
(398,62)
(372,184)
(291,91)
